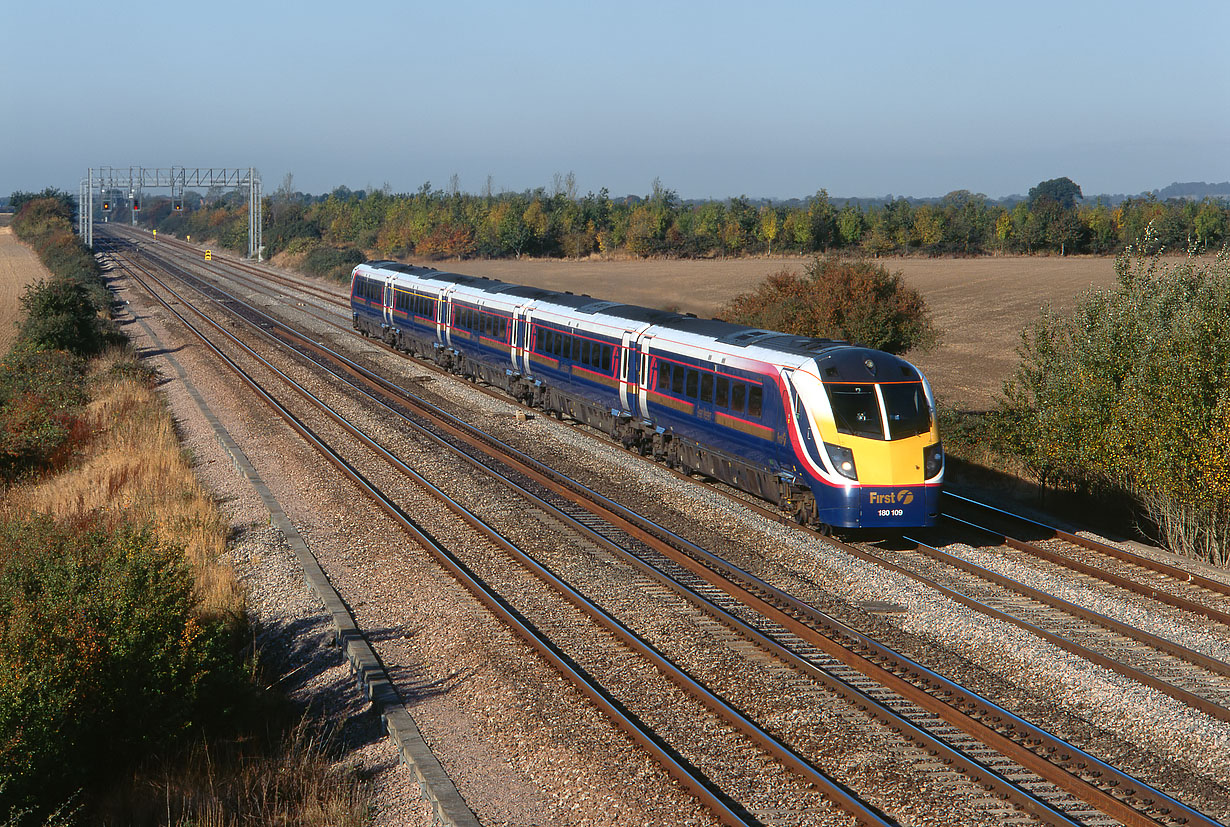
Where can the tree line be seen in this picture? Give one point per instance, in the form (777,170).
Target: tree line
(438,224)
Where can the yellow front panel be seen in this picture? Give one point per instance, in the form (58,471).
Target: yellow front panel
(899,462)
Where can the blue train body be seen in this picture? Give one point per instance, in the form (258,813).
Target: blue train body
(841,436)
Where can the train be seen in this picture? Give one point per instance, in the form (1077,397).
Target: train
(841,437)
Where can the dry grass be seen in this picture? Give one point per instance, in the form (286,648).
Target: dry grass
(234,783)
(131,468)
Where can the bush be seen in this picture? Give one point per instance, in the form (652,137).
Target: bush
(1132,392)
(40,393)
(60,314)
(332,262)
(858,301)
(102,657)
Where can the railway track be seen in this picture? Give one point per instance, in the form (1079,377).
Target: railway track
(786,620)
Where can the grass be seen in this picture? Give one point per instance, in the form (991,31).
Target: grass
(128,468)
(132,469)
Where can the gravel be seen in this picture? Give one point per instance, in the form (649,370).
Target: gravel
(519,743)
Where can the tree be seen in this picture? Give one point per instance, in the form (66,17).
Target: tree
(1210,224)
(850,225)
(860,302)
(768,226)
(1063,191)
(822,219)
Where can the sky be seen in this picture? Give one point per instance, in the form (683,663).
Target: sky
(770,98)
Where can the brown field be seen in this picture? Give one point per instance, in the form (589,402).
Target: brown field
(19,266)
(980,304)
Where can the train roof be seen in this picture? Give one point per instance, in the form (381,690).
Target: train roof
(847,359)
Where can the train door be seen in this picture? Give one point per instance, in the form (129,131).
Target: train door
(387,304)
(439,315)
(628,366)
(520,339)
(446,317)
(644,382)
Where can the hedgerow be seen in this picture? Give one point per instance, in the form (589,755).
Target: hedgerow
(1131,392)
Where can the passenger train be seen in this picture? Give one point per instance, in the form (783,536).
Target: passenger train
(840,436)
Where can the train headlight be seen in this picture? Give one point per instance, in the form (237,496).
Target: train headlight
(843,460)
(933,460)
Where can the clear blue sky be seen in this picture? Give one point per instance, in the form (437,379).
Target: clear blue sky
(766,98)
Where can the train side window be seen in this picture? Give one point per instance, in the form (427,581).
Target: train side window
(677,379)
(664,376)
(738,391)
(722,392)
(503,329)
(691,389)
(706,387)
(606,358)
(558,343)
(754,399)
(576,348)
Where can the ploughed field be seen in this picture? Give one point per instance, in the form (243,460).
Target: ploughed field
(981,304)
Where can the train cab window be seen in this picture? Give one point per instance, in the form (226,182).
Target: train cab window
(856,409)
(738,391)
(754,400)
(664,376)
(721,391)
(706,387)
(691,387)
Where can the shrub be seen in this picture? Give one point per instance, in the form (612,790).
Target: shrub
(1132,392)
(856,301)
(40,393)
(332,262)
(60,314)
(102,657)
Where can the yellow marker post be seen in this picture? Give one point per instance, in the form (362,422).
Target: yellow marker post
(209,256)
(155,233)
(189,238)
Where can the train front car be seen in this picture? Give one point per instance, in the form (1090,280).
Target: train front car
(864,432)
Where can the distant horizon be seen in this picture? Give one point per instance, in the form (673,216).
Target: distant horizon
(1222,189)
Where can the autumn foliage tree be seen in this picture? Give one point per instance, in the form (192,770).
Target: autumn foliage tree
(857,301)
(1131,392)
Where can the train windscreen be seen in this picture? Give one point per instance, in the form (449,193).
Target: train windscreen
(856,409)
(907,408)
